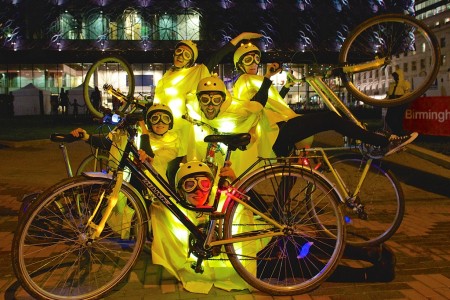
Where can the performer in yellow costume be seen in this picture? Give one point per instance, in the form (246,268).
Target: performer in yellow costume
(170,247)
(157,135)
(180,82)
(246,60)
(280,129)
(215,107)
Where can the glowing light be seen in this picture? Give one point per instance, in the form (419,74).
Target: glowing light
(227,126)
(348,220)
(171,91)
(305,250)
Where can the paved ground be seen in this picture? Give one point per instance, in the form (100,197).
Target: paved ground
(421,245)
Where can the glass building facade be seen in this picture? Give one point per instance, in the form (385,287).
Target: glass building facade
(52,43)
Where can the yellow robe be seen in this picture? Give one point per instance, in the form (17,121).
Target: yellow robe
(235,116)
(172,90)
(276,110)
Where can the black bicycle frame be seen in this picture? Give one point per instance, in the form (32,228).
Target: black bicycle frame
(167,201)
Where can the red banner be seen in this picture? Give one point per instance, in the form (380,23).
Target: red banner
(429,115)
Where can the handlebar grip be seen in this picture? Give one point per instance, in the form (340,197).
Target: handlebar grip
(65,138)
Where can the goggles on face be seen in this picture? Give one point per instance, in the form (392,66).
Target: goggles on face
(201,182)
(187,55)
(156,118)
(250,59)
(205,99)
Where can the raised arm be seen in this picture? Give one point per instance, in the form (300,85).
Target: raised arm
(216,57)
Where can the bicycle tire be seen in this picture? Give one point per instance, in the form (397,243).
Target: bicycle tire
(62,262)
(304,257)
(110,70)
(94,163)
(393,37)
(381,194)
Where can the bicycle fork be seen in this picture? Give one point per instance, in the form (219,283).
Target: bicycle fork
(112,202)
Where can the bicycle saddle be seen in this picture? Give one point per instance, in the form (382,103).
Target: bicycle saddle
(233,141)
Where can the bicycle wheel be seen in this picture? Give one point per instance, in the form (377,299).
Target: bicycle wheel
(110,70)
(380,194)
(403,42)
(302,257)
(53,255)
(94,163)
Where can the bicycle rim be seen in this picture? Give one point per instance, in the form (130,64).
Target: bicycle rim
(405,42)
(113,71)
(381,195)
(60,261)
(301,259)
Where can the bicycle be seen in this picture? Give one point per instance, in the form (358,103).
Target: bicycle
(374,200)
(89,255)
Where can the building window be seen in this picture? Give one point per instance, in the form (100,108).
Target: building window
(413,66)
(179,27)
(97,27)
(442,42)
(132,25)
(68,27)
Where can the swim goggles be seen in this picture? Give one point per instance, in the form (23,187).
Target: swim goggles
(157,118)
(187,55)
(205,99)
(200,182)
(250,59)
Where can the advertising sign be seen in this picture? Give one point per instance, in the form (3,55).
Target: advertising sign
(429,115)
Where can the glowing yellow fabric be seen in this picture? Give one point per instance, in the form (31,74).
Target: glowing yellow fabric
(165,148)
(171,240)
(172,90)
(276,110)
(235,116)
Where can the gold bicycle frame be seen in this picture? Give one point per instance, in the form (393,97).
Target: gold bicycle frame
(335,104)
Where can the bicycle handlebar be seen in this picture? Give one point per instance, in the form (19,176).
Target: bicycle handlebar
(64,138)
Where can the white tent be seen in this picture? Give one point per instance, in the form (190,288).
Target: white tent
(26,101)
(77,93)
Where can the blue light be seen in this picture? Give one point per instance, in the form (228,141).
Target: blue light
(305,250)
(348,220)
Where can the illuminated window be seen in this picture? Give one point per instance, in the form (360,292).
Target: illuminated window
(97,27)
(179,27)
(69,26)
(167,28)
(132,25)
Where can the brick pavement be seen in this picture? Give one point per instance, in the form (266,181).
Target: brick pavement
(421,245)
